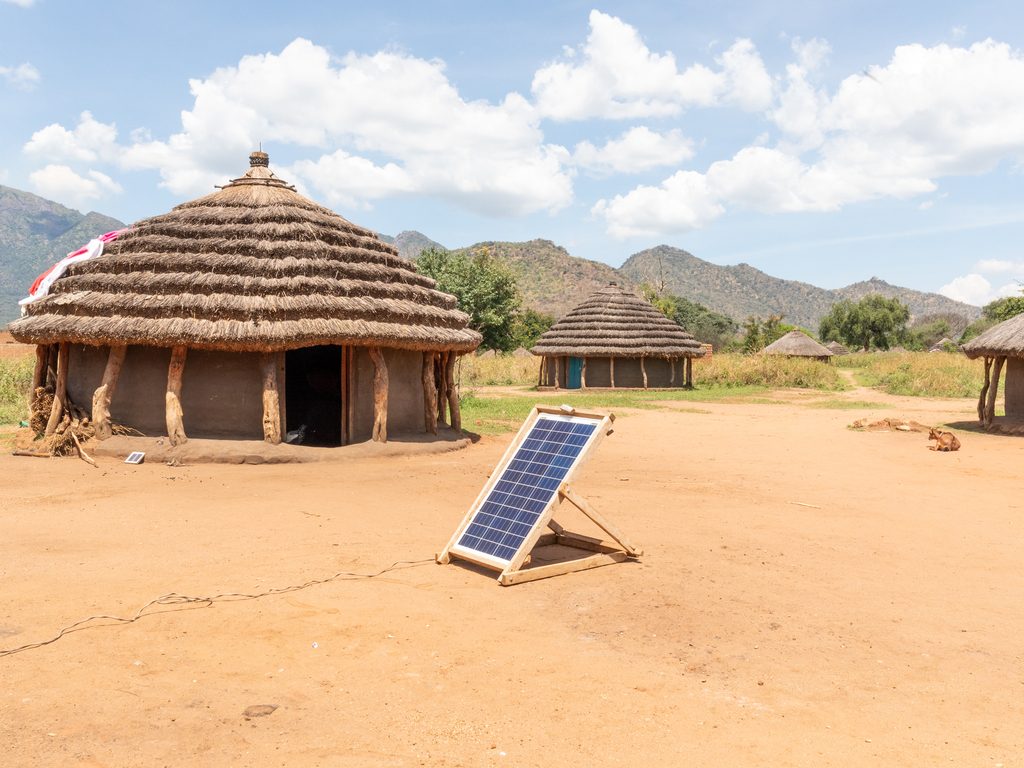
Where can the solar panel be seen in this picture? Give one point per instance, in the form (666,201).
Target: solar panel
(526,486)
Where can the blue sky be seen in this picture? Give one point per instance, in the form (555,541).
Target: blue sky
(823,142)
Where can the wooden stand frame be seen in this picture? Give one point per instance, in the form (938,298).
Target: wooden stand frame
(514,571)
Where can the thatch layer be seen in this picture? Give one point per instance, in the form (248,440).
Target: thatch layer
(613,322)
(837,348)
(797,344)
(1003,340)
(255,266)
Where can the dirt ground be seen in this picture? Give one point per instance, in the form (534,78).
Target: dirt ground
(809,596)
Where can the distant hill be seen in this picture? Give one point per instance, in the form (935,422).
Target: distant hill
(550,279)
(411,244)
(741,290)
(34,234)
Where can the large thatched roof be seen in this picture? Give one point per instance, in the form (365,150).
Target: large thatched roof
(254,266)
(1005,339)
(797,344)
(613,322)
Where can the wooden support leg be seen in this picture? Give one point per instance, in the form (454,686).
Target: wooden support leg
(643,370)
(558,370)
(105,392)
(380,395)
(540,372)
(689,373)
(271,399)
(993,391)
(282,390)
(583,374)
(175,417)
(429,394)
(452,392)
(983,399)
(39,374)
(51,365)
(671,371)
(611,368)
(441,367)
(60,390)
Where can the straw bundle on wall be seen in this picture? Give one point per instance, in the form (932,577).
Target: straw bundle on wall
(253,267)
(797,344)
(613,322)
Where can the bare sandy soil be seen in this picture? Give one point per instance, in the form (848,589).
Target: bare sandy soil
(809,596)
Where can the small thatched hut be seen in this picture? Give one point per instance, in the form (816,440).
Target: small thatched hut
(288,316)
(798,344)
(616,339)
(836,348)
(1001,345)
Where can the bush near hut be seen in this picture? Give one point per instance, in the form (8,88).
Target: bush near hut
(15,381)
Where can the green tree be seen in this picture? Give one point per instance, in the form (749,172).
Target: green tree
(758,333)
(486,290)
(874,321)
(706,325)
(1004,308)
(528,326)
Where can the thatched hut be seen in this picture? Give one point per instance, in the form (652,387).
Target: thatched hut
(798,344)
(616,339)
(836,348)
(249,313)
(1001,345)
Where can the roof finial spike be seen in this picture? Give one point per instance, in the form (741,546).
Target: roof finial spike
(259,158)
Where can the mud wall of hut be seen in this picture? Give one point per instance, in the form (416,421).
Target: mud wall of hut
(1015,387)
(221,391)
(627,372)
(405,393)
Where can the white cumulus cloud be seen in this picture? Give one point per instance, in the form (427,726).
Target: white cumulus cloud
(615,75)
(89,142)
(24,76)
(22,3)
(976,289)
(638,149)
(993,266)
(61,183)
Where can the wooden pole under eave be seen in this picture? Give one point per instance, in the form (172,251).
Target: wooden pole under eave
(51,365)
(453,393)
(689,373)
(611,369)
(990,409)
(540,372)
(105,392)
(671,371)
(583,374)
(39,373)
(380,395)
(558,370)
(429,394)
(440,368)
(280,363)
(271,398)
(60,390)
(643,370)
(982,399)
(174,416)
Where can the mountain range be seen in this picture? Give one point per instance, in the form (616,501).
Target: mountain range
(35,233)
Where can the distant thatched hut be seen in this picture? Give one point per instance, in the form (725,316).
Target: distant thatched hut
(289,318)
(836,348)
(798,344)
(616,339)
(1001,345)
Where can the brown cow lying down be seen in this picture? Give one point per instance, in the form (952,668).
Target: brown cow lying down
(944,441)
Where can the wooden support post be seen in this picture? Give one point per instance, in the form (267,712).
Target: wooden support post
(583,374)
(441,368)
(689,373)
(611,368)
(175,417)
(452,392)
(39,374)
(672,371)
(271,399)
(51,365)
(643,370)
(59,390)
(558,370)
(982,400)
(429,394)
(380,395)
(993,391)
(105,392)
(282,390)
(346,406)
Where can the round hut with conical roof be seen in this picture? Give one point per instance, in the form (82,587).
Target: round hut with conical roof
(798,344)
(836,348)
(1001,346)
(616,339)
(251,312)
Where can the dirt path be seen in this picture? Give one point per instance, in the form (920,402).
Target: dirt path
(810,596)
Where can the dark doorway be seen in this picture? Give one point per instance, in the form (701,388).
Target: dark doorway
(313,395)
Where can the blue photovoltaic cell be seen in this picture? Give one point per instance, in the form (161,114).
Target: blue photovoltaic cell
(526,487)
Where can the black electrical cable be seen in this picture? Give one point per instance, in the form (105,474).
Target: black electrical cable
(186,602)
